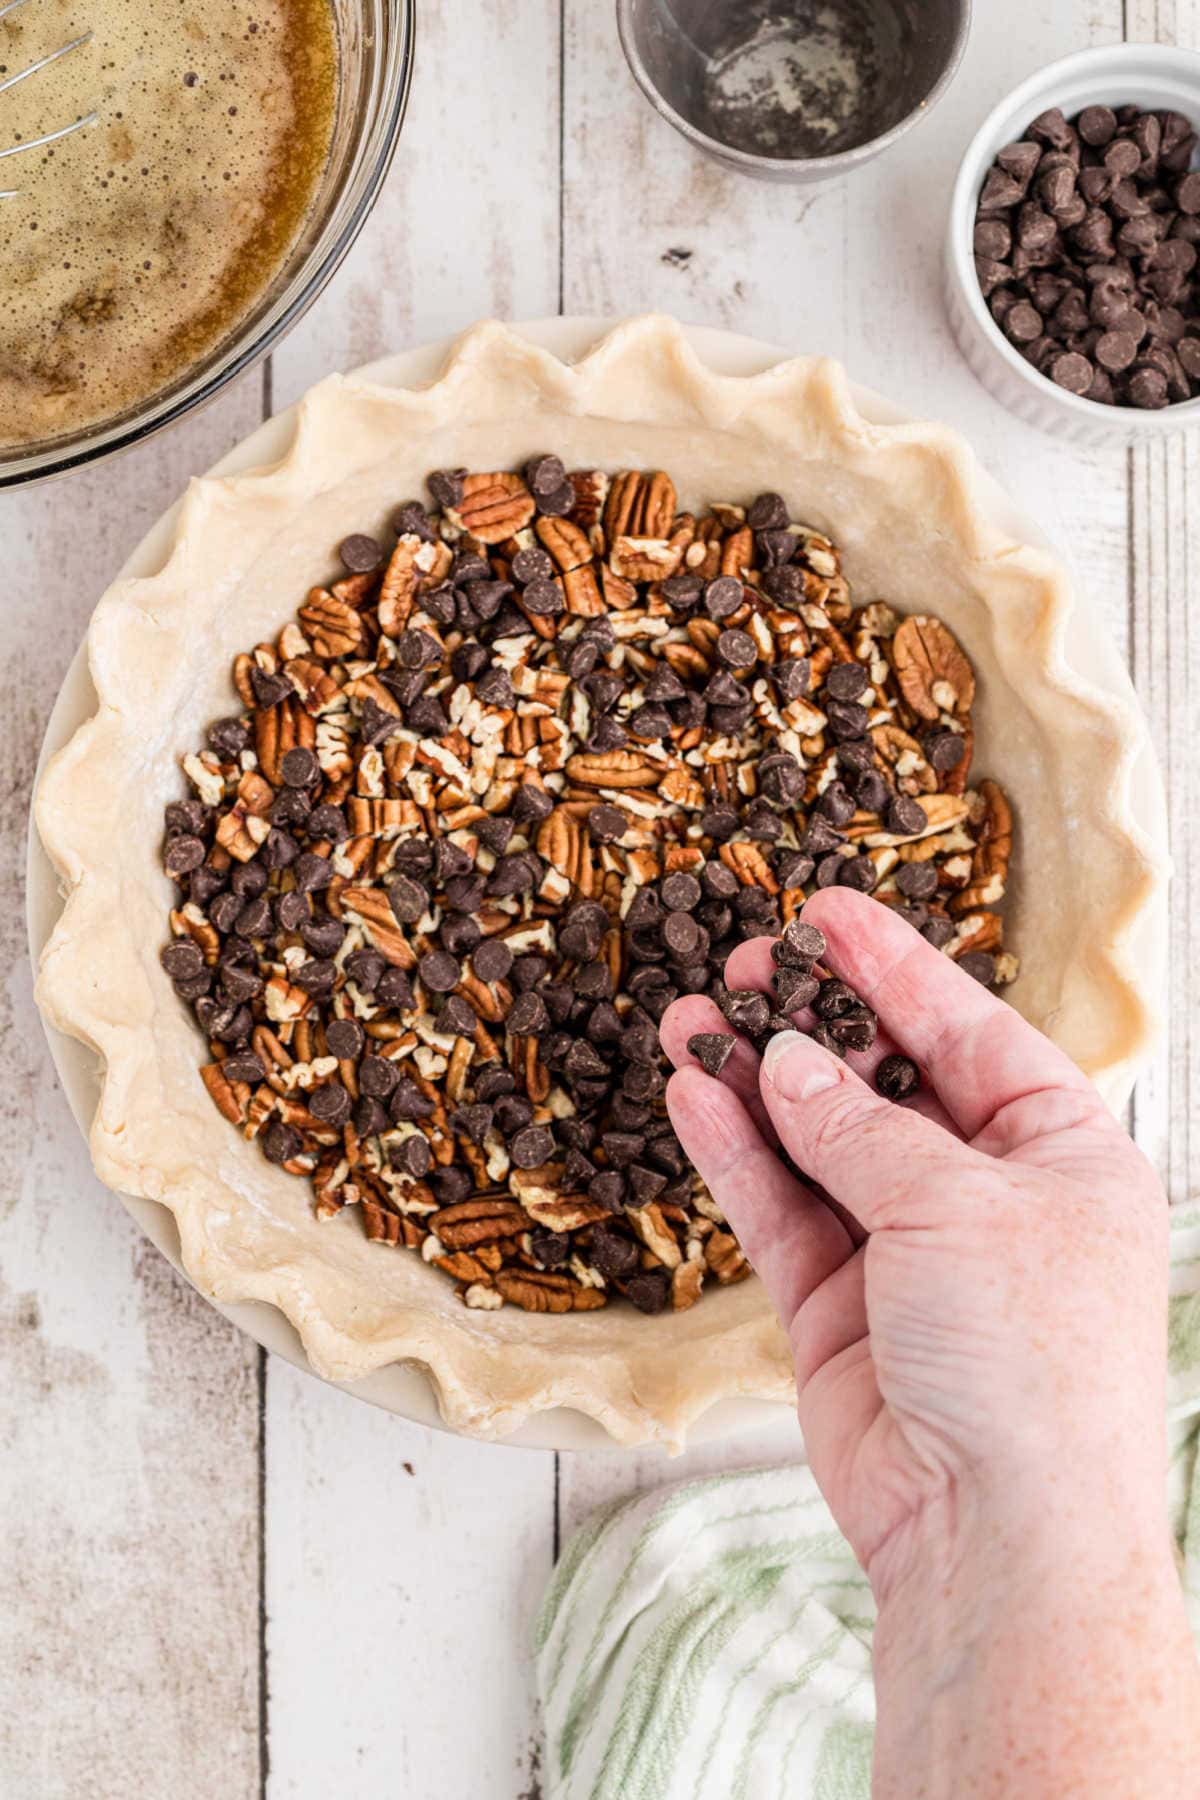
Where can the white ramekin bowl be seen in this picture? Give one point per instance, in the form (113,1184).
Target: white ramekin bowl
(1151,76)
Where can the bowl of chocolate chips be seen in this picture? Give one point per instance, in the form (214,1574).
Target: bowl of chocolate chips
(1074,231)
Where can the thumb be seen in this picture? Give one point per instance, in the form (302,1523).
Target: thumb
(881,1161)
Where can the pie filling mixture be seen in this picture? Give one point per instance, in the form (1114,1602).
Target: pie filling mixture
(494,798)
(132,247)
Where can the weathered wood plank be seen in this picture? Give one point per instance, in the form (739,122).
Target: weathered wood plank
(404,1571)
(1164,511)
(404,1566)
(129,1412)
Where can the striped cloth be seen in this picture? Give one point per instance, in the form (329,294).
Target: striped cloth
(712,1641)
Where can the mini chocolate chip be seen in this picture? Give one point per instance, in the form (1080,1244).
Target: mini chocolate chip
(649,1290)
(439,971)
(528,1016)
(794,989)
(378,1076)
(183,960)
(737,649)
(360,554)
(550,1249)
(944,750)
(313,872)
(412,1156)
(836,805)
(897,1077)
(408,899)
(280,1143)
(228,737)
(917,881)
(846,681)
(857,872)
(980,965)
(746,1010)
(712,1050)
(395,989)
(408,1104)
(645,1185)
(531,1147)
(456,1017)
(855,1030)
(792,677)
(331,1104)
(833,999)
(905,816)
(607,1189)
(244,1065)
(719,822)
(345,1038)
(722,596)
(183,854)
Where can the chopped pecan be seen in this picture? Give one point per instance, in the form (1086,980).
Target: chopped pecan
(494,507)
(934,675)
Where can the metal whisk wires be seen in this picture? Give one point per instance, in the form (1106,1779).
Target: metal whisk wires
(35,68)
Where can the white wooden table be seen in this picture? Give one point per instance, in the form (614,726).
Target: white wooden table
(219,1578)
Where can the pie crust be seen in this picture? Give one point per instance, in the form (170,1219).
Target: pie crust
(906,507)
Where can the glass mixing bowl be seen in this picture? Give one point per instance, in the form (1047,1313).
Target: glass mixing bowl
(375,44)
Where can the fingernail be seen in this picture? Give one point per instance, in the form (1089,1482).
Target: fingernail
(797,1068)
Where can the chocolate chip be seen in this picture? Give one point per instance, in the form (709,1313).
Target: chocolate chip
(905,816)
(439,971)
(979,965)
(492,960)
(614,1255)
(360,554)
(648,1291)
(722,596)
(528,1016)
(681,892)
(331,1104)
(719,822)
(183,854)
(408,1104)
(746,1010)
(1071,371)
(1148,388)
(531,1147)
(345,1038)
(1097,126)
(472,1122)
(408,899)
(269,688)
(917,880)
(450,1185)
(712,1050)
(182,959)
(897,1077)
(855,1030)
(833,999)
(836,805)
(847,720)
(456,1017)
(794,989)
(280,1143)
(792,677)
(394,989)
(607,1189)
(737,649)
(244,1065)
(551,1249)
(645,1185)
(938,931)
(412,1156)
(847,681)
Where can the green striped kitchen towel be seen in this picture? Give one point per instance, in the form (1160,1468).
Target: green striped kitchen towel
(712,1641)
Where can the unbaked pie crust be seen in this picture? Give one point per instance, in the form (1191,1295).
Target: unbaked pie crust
(902,502)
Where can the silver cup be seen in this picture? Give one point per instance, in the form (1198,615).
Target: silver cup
(793,90)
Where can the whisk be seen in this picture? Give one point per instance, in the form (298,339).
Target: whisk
(35,68)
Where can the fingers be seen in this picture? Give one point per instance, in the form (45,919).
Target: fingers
(980,1055)
(751,966)
(833,1317)
(793,1241)
(695,1013)
(884,1163)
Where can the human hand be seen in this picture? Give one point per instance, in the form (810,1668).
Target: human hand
(978,1320)
(1008,1309)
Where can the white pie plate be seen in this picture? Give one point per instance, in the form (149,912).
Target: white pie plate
(402,1388)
